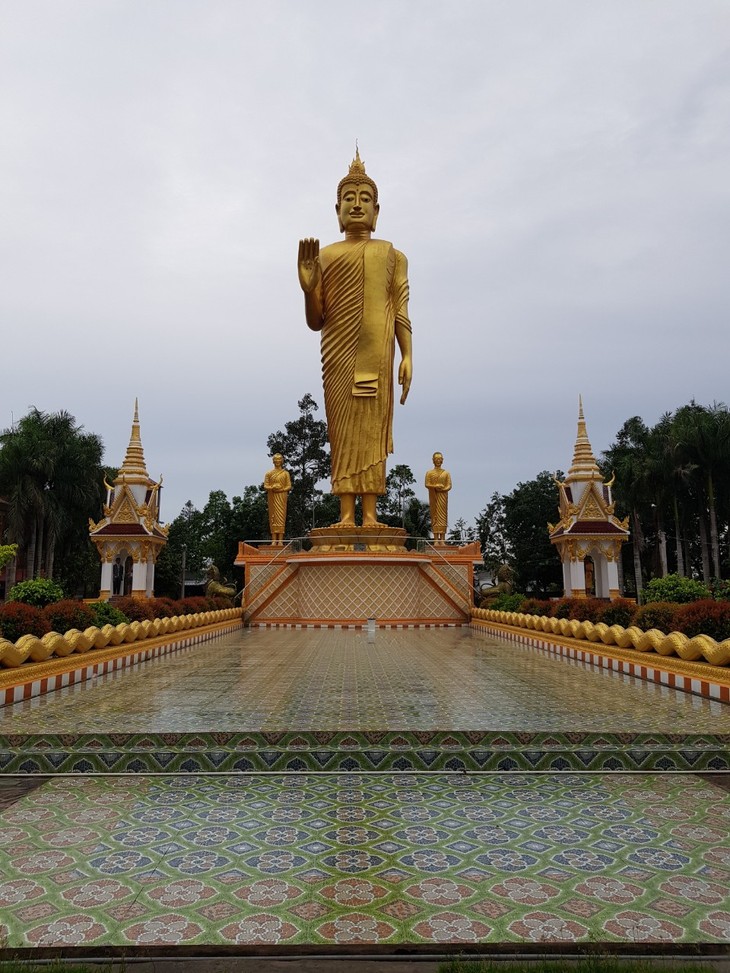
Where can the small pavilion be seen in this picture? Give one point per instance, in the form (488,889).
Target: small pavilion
(588,536)
(130,537)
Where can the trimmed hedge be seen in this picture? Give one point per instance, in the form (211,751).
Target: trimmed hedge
(706,617)
(17,619)
(67,614)
(657,614)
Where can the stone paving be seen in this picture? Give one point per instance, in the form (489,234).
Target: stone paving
(345,860)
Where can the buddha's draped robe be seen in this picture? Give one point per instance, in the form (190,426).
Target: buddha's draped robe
(438,499)
(364,295)
(277,484)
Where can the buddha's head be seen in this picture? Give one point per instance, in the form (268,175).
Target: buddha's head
(357,199)
(278,460)
(438,460)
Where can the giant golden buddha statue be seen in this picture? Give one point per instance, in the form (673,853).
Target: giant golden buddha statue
(356,295)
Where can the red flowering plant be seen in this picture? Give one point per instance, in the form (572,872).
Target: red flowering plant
(67,614)
(705,617)
(17,619)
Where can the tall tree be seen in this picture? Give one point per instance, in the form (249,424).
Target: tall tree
(703,437)
(393,504)
(513,530)
(303,444)
(628,459)
(51,475)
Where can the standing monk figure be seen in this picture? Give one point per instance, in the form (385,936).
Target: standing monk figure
(356,295)
(277,484)
(438,483)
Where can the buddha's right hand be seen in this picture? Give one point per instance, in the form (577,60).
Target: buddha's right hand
(308,264)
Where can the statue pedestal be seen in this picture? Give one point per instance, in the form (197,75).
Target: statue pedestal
(328,587)
(339,539)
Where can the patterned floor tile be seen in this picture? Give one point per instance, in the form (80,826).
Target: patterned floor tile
(355,859)
(264,680)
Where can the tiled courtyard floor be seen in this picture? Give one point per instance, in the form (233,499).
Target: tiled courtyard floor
(360,859)
(448,679)
(345,860)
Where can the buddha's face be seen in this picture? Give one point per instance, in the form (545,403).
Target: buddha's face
(437,460)
(357,207)
(278,460)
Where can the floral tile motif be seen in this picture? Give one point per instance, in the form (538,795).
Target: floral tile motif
(252,860)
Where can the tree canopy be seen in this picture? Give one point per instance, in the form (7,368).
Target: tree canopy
(51,476)
(513,530)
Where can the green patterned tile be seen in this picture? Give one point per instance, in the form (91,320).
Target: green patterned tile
(358,859)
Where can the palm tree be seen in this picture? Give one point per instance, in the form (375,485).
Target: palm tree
(703,438)
(627,458)
(50,474)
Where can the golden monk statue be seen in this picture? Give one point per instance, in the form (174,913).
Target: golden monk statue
(277,484)
(438,484)
(356,294)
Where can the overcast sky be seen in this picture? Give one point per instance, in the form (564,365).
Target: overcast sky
(556,171)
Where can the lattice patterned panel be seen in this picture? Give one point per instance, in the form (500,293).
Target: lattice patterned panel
(455,578)
(285,604)
(359,591)
(259,589)
(434,606)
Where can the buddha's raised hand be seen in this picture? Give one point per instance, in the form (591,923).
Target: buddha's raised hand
(308,264)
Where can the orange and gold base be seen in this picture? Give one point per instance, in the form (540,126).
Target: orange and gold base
(350,587)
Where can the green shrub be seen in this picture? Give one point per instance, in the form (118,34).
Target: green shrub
(657,614)
(720,590)
(106,614)
(508,603)
(706,617)
(621,611)
(37,591)
(67,614)
(136,609)
(7,553)
(674,588)
(18,619)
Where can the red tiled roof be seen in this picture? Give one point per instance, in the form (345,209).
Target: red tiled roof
(122,529)
(590,527)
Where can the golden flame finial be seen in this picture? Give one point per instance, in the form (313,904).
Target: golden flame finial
(357,175)
(584,462)
(134,464)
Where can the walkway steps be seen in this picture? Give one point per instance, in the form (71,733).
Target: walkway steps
(371,751)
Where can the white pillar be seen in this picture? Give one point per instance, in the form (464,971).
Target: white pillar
(577,578)
(614,589)
(567,589)
(139,579)
(601,575)
(105,585)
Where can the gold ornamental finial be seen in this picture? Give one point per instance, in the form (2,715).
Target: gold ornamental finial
(357,175)
(134,465)
(584,462)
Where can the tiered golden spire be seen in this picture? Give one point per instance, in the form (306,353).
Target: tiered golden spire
(358,176)
(584,462)
(134,466)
